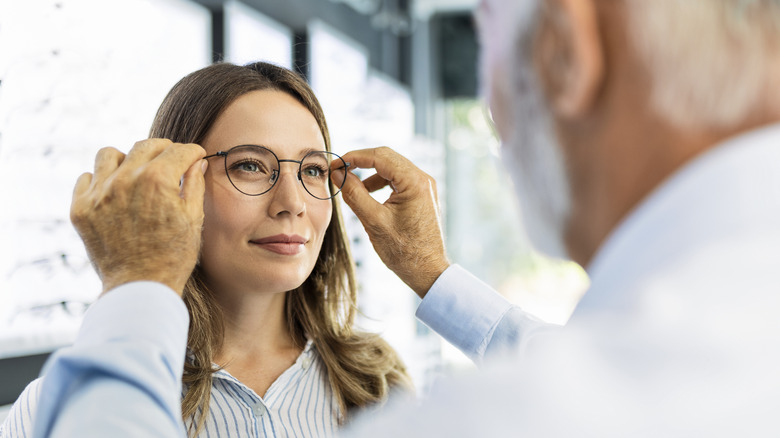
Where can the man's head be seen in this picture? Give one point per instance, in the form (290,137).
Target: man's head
(598,101)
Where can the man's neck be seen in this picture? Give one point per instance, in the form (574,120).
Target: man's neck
(615,172)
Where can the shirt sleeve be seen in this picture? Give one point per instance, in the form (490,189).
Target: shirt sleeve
(18,423)
(473,317)
(122,376)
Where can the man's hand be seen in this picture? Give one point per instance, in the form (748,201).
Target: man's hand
(140,215)
(406,229)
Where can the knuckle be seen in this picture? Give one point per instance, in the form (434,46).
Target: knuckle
(155,142)
(194,147)
(348,190)
(152,144)
(79,213)
(76,214)
(350,194)
(141,144)
(107,158)
(384,151)
(106,152)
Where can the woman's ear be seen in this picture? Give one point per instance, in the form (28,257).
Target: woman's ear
(569,56)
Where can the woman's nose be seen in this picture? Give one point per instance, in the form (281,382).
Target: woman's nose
(287,196)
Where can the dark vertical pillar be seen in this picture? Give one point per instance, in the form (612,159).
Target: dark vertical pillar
(301,55)
(457,54)
(217,34)
(405,45)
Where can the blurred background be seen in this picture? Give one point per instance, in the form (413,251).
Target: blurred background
(77,75)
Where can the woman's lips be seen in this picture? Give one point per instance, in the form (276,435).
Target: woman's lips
(281,244)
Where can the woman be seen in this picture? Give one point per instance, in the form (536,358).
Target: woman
(271,347)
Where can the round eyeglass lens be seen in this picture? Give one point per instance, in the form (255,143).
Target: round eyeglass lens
(253,170)
(315,174)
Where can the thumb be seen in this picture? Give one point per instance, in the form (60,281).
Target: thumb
(357,197)
(193,189)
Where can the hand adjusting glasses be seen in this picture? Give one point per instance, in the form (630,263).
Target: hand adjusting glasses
(253,170)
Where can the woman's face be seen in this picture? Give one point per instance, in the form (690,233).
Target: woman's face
(270,242)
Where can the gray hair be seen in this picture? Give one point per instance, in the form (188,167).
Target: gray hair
(534,156)
(710,61)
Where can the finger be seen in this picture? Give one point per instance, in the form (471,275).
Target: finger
(177,158)
(145,151)
(82,185)
(107,161)
(357,197)
(193,189)
(77,206)
(389,164)
(375,182)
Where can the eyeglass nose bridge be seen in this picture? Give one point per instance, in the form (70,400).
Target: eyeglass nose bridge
(277,172)
(300,168)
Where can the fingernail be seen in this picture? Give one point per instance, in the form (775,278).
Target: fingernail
(204,166)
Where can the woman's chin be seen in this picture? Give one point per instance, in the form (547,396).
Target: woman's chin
(273,280)
(273,284)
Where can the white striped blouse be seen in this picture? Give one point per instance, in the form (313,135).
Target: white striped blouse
(300,403)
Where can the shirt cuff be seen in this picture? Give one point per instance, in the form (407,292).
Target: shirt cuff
(463,310)
(141,310)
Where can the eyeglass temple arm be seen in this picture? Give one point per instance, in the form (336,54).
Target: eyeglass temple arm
(218,154)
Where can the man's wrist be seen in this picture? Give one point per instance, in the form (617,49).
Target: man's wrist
(119,279)
(428,278)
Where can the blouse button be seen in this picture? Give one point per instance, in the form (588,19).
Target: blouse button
(260,410)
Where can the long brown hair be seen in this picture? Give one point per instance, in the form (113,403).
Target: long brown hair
(362,368)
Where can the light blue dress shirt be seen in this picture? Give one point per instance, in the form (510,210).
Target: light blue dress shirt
(122,376)
(473,317)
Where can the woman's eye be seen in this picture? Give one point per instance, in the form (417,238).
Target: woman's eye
(313,172)
(248,166)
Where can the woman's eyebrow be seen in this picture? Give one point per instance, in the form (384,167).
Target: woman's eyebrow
(309,150)
(302,152)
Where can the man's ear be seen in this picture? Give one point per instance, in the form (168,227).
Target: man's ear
(569,55)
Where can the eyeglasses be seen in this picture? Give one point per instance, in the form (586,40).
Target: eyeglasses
(254,170)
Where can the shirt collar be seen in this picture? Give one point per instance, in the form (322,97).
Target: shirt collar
(308,351)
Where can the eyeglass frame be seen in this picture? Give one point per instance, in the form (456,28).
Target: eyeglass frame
(279,162)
